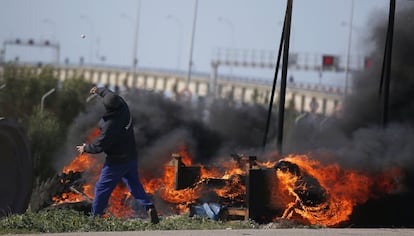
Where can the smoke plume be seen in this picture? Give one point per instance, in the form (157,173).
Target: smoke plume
(356,137)
(371,145)
(162,126)
(355,133)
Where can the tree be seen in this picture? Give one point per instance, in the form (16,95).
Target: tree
(71,99)
(47,131)
(44,136)
(25,87)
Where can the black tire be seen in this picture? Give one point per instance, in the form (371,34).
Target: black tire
(16,171)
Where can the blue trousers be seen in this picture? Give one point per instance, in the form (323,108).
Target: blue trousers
(111,174)
(211,210)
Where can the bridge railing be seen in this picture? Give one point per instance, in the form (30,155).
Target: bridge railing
(243,89)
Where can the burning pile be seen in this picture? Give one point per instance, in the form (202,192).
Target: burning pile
(300,188)
(327,194)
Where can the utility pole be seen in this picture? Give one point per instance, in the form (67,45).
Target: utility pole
(348,51)
(386,65)
(190,62)
(282,96)
(285,40)
(135,40)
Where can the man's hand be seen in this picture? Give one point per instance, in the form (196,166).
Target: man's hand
(81,149)
(93,90)
(93,94)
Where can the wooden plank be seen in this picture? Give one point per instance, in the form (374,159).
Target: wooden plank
(236,213)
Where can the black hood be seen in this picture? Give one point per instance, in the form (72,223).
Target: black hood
(112,102)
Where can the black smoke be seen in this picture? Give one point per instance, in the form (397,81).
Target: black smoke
(355,133)
(162,126)
(369,145)
(356,137)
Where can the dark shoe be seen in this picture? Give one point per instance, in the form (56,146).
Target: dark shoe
(152,213)
(192,211)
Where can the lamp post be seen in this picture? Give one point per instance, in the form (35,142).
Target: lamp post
(89,21)
(180,32)
(348,51)
(98,54)
(190,61)
(135,40)
(42,101)
(129,18)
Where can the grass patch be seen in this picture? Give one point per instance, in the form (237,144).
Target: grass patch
(59,221)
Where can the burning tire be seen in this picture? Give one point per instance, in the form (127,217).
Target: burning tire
(307,188)
(15,168)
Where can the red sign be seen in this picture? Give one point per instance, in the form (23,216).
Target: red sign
(327,60)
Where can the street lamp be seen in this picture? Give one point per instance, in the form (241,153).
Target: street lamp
(135,39)
(180,32)
(190,62)
(98,55)
(42,101)
(89,21)
(127,17)
(351,16)
(134,62)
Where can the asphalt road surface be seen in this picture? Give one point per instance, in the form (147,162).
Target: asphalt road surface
(247,232)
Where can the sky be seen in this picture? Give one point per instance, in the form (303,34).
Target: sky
(165,29)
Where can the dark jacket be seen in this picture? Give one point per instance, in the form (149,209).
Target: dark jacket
(116,139)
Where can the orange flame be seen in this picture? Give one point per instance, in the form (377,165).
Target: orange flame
(91,167)
(185,156)
(345,189)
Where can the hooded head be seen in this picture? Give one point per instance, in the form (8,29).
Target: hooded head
(112,102)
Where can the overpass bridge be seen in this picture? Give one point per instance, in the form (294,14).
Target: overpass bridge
(172,82)
(212,85)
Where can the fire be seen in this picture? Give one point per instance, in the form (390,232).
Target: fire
(306,190)
(210,172)
(165,187)
(185,156)
(68,197)
(81,163)
(90,168)
(233,189)
(344,190)
(118,205)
